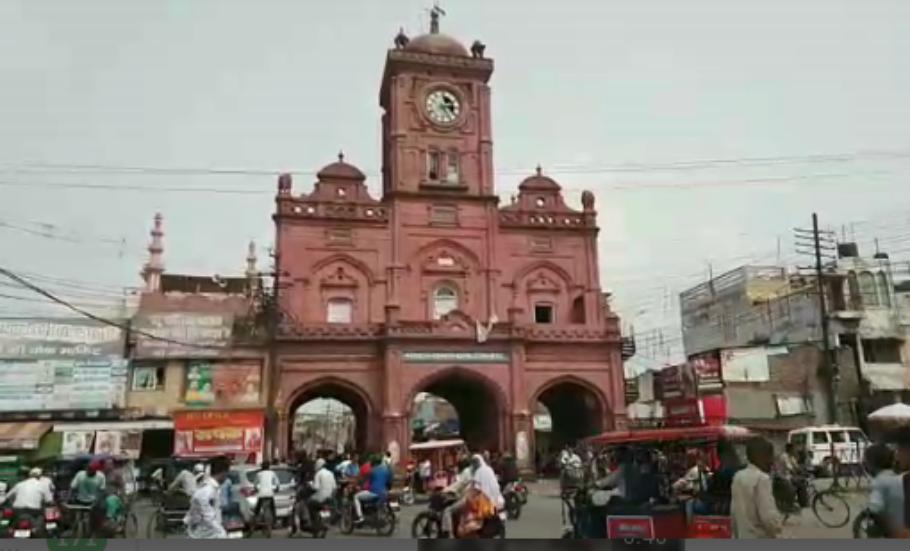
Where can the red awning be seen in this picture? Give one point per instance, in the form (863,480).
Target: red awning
(671,435)
(22,436)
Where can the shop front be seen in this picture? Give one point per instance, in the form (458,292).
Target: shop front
(237,434)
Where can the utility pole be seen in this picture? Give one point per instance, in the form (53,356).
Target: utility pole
(273,321)
(822,242)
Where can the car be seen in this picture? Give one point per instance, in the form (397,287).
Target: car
(287,490)
(822,442)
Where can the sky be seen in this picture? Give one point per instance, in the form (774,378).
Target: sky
(707,129)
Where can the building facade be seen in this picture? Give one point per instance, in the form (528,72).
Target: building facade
(435,287)
(762,325)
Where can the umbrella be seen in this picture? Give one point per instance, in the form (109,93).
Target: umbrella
(895,413)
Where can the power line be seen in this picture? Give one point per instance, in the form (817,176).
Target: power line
(123,326)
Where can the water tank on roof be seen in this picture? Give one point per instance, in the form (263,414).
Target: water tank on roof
(847,250)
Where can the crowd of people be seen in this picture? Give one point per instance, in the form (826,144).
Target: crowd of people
(100,487)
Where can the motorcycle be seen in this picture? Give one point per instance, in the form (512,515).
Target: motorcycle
(428,524)
(513,503)
(379,515)
(23,526)
(235,527)
(315,523)
(522,490)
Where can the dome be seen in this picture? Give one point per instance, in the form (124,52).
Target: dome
(436,43)
(340,170)
(538,182)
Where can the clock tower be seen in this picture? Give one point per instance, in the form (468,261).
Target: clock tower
(436,127)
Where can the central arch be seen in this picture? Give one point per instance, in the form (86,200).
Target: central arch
(479,402)
(333,389)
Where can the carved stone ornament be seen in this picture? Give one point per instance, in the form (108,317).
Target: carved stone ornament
(339,278)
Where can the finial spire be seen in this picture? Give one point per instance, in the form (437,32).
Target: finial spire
(539,170)
(435,12)
(251,260)
(340,156)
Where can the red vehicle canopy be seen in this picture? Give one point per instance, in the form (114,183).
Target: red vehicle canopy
(644,436)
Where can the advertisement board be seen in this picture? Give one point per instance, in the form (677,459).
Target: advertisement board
(62,384)
(43,338)
(182,335)
(238,434)
(223,384)
(708,372)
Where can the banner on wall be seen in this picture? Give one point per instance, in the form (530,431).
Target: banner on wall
(77,442)
(62,384)
(223,384)
(182,335)
(238,434)
(708,372)
(38,338)
(119,443)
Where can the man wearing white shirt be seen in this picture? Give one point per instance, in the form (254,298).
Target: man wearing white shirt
(266,485)
(29,498)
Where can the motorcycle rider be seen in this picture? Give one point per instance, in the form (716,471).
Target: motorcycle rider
(459,488)
(323,486)
(29,498)
(379,480)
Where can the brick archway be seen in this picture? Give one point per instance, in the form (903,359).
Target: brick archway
(578,408)
(346,392)
(480,401)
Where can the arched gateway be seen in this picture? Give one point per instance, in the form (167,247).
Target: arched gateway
(435,287)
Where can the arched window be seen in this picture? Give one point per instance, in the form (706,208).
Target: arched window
(434,165)
(867,288)
(340,310)
(445,299)
(884,289)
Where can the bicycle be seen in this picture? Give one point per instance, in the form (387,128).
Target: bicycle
(81,520)
(828,506)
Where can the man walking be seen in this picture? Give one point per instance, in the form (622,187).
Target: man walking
(753,508)
(203,521)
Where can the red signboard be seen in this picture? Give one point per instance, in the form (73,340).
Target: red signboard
(630,527)
(707,527)
(714,409)
(682,412)
(206,433)
(707,369)
(670,382)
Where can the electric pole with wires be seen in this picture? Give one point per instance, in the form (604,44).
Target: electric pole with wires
(822,246)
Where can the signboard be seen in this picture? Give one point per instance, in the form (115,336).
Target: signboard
(235,433)
(65,384)
(38,338)
(187,335)
(746,365)
(225,384)
(119,443)
(707,370)
(682,412)
(456,357)
(630,527)
(670,382)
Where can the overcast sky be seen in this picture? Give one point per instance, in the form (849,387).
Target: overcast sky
(592,90)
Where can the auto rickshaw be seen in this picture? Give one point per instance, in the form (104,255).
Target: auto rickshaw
(669,516)
(443,456)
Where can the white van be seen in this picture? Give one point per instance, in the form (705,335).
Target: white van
(847,444)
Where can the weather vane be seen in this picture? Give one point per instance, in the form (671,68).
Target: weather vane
(435,12)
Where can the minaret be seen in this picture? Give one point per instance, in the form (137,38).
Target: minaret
(252,273)
(152,271)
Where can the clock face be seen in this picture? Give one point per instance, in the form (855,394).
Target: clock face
(443,107)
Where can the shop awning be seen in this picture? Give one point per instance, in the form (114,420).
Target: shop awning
(144,424)
(22,436)
(893,377)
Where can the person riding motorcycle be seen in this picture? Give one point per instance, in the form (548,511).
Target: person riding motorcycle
(29,498)
(482,498)
(320,491)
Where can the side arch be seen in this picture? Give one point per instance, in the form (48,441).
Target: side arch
(344,391)
(548,265)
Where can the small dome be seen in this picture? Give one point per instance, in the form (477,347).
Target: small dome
(437,43)
(340,170)
(539,182)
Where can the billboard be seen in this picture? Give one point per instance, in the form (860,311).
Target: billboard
(223,384)
(62,384)
(182,335)
(43,338)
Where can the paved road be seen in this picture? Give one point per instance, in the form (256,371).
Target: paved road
(542,518)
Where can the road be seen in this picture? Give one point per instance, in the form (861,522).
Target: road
(542,519)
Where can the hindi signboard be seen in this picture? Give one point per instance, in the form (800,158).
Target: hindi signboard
(235,433)
(223,384)
(63,384)
(42,338)
(182,335)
